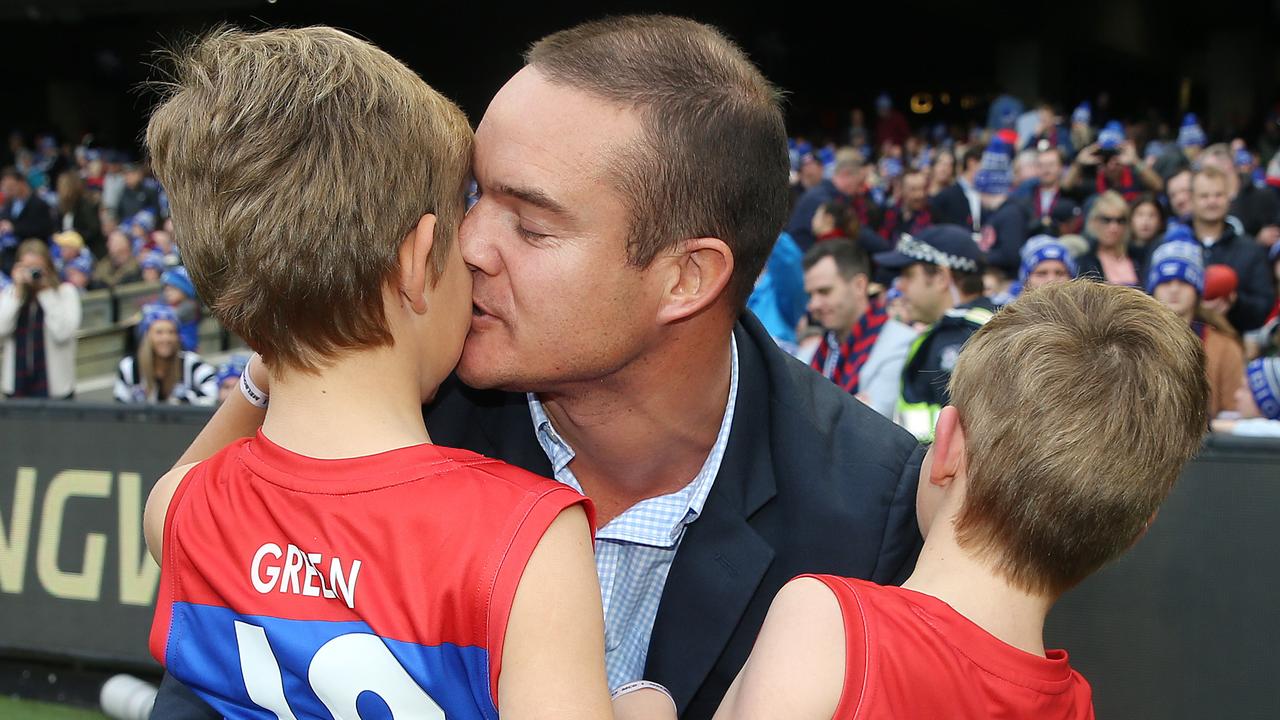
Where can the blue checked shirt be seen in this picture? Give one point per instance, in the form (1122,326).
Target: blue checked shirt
(635,550)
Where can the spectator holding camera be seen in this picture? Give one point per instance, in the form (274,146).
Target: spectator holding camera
(161,371)
(1111,164)
(39,317)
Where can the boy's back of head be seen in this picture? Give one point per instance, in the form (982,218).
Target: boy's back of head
(297,161)
(1080,404)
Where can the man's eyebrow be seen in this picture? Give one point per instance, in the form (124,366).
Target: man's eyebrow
(534,197)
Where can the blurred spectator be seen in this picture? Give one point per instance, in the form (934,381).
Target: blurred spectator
(1176,280)
(152,266)
(942,171)
(1109,258)
(1044,191)
(119,266)
(228,376)
(78,271)
(1257,402)
(1182,155)
(24,216)
(1005,220)
(113,184)
(848,183)
(1049,132)
(1146,227)
(891,125)
(778,298)
(1178,191)
(911,213)
(1257,208)
(941,280)
(836,276)
(809,176)
(39,317)
(77,211)
(1025,170)
(179,293)
(1081,125)
(1045,261)
(1224,246)
(959,203)
(140,194)
(1111,164)
(161,371)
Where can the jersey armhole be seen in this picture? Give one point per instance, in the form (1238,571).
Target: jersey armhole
(511,564)
(857,640)
(167,588)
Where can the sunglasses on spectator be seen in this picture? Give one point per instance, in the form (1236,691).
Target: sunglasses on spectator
(1112,220)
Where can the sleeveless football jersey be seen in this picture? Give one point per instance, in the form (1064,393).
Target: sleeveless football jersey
(293,587)
(910,655)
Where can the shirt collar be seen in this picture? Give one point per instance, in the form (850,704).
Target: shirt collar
(657,521)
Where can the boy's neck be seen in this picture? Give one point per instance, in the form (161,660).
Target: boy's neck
(365,403)
(972,588)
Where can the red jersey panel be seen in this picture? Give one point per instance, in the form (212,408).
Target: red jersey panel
(910,655)
(294,587)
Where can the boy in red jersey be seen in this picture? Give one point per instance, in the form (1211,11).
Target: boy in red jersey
(1073,411)
(338,563)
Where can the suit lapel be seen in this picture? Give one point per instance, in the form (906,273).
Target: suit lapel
(721,559)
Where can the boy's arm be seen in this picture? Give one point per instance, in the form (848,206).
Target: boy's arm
(237,418)
(796,669)
(553,654)
(158,508)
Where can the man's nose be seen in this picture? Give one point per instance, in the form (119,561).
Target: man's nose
(478,251)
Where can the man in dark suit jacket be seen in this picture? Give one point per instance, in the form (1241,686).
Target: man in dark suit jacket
(24,215)
(631,359)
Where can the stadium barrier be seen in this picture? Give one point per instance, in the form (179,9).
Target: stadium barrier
(1181,627)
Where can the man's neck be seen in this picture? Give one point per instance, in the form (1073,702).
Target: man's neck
(973,589)
(646,429)
(365,403)
(1205,230)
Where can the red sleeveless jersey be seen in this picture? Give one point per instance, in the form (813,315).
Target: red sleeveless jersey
(910,655)
(293,587)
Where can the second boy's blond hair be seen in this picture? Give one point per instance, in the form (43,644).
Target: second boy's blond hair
(1080,403)
(296,162)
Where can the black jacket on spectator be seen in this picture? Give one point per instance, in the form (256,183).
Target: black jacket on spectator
(1003,233)
(1256,207)
(84,220)
(35,221)
(135,200)
(1088,265)
(812,481)
(1255,294)
(951,207)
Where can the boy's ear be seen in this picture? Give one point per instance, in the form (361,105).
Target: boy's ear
(415,258)
(948,448)
(697,273)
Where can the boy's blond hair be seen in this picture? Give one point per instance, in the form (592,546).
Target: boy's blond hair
(1080,404)
(296,162)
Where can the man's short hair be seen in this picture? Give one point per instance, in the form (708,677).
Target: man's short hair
(1080,404)
(972,155)
(1053,150)
(297,161)
(968,283)
(1211,172)
(848,160)
(850,259)
(712,161)
(12,173)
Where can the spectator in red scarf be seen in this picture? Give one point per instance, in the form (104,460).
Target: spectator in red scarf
(911,214)
(1111,164)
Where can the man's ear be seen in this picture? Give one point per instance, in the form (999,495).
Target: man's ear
(948,448)
(695,275)
(415,259)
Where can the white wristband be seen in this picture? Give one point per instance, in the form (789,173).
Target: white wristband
(250,390)
(642,685)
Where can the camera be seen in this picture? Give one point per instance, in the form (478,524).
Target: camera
(37,275)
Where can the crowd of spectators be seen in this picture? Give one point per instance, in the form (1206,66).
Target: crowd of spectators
(1042,196)
(76,219)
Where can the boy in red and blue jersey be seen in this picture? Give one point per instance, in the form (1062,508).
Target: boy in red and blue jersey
(337,563)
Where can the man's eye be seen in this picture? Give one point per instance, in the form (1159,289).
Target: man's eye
(529,234)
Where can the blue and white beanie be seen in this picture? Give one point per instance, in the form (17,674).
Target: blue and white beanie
(1243,158)
(144,219)
(153,313)
(1177,260)
(995,174)
(152,260)
(1264,382)
(82,262)
(1190,134)
(1179,231)
(1043,248)
(1112,136)
(232,368)
(1083,114)
(178,277)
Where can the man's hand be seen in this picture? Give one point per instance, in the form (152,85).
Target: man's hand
(1268,235)
(1088,156)
(1128,153)
(1218,305)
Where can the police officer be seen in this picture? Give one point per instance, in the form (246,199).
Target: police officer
(940,277)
